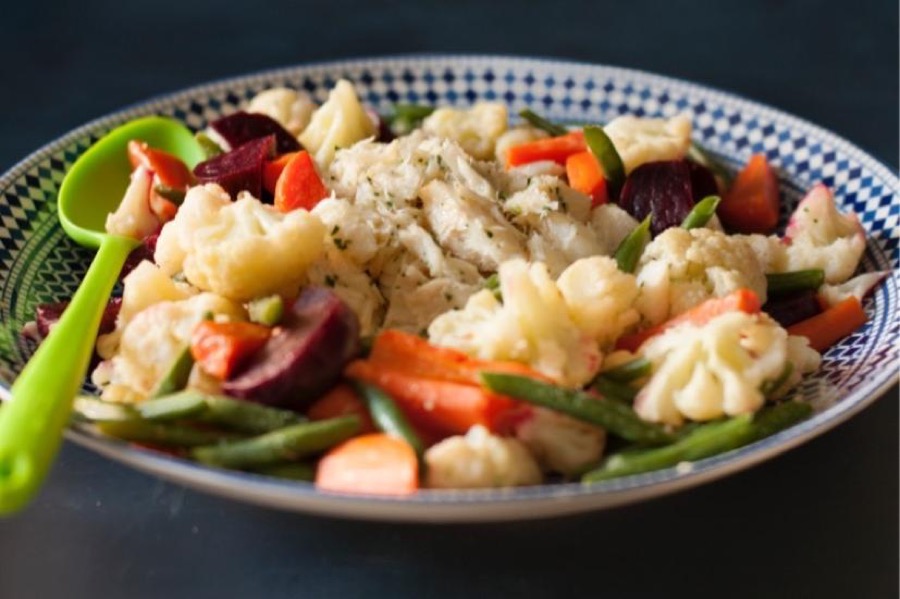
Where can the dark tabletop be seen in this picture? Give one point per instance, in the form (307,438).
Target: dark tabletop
(821,521)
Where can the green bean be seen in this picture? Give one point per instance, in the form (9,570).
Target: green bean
(771,386)
(630,249)
(289,470)
(95,409)
(173,194)
(700,214)
(266,310)
(210,148)
(629,371)
(610,389)
(406,117)
(177,376)
(158,433)
(177,406)
(387,416)
(797,280)
(616,418)
(776,418)
(285,444)
(543,124)
(602,147)
(246,416)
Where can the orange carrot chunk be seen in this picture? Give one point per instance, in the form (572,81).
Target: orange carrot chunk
(299,185)
(743,300)
(273,169)
(169,169)
(376,463)
(586,175)
(557,149)
(825,329)
(342,400)
(752,203)
(220,347)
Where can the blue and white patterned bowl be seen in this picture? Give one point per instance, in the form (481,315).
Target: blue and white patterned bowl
(40,264)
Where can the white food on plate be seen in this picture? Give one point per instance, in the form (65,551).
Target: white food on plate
(338,123)
(641,140)
(476,129)
(291,108)
(561,443)
(133,218)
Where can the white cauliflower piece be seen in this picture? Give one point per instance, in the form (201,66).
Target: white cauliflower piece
(706,372)
(291,108)
(770,251)
(639,140)
(611,225)
(600,298)
(480,460)
(681,268)
(514,137)
(821,237)
(153,339)
(531,326)
(560,443)
(338,123)
(221,245)
(476,129)
(133,218)
(859,287)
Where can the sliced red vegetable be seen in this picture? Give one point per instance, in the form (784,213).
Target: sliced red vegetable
(794,307)
(142,252)
(169,169)
(240,169)
(241,127)
(47,315)
(662,189)
(341,400)
(272,170)
(585,175)
(376,463)
(557,149)
(299,185)
(743,300)
(703,182)
(221,347)
(832,325)
(753,202)
(165,210)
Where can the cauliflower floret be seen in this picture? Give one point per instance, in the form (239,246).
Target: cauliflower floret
(639,140)
(681,268)
(600,298)
(476,129)
(514,137)
(531,326)
(611,225)
(153,339)
(220,245)
(480,460)
(770,251)
(133,218)
(560,443)
(339,123)
(292,109)
(718,369)
(821,237)
(858,287)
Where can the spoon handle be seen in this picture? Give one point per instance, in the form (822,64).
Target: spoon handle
(32,423)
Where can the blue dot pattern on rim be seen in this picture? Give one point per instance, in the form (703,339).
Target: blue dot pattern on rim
(40,264)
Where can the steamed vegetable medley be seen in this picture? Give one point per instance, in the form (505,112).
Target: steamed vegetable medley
(454,298)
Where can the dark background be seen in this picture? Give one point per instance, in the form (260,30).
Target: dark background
(821,521)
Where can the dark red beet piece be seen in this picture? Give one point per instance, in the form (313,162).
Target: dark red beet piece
(47,315)
(662,188)
(142,252)
(793,307)
(318,336)
(240,127)
(703,182)
(240,169)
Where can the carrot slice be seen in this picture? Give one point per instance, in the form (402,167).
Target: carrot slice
(586,175)
(752,203)
(743,300)
(220,347)
(299,185)
(825,329)
(342,400)
(273,169)
(557,149)
(169,169)
(376,463)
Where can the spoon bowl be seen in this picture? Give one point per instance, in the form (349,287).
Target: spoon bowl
(32,423)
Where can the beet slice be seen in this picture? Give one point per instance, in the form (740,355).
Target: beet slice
(791,308)
(318,336)
(142,252)
(47,315)
(240,169)
(241,127)
(703,182)
(662,188)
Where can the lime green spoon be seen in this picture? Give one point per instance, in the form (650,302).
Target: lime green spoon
(32,423)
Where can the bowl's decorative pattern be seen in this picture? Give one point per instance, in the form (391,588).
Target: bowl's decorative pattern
(39,264)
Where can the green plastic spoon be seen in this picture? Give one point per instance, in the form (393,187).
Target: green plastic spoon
(32,423)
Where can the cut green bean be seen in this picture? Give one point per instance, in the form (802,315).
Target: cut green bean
(700,214)
(616,418)
(629,371)
(246,416)
(173,194)
(177,376)
(95,409)
(266,310)
(602,147)
(630,249)
(210,148)
(289,471)
(797,280)
(177,406)
(771,386)
(387,416)
(406,117)
(541,123)
(776,418)
(285,444)
(610,389)
(159,433)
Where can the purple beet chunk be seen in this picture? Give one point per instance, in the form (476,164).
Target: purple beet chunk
(47,315)
(320,335)
(703,182)
(240,169)
(793,307)
(142,252)
(241,127)
(661,188)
